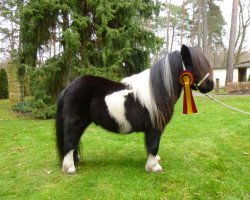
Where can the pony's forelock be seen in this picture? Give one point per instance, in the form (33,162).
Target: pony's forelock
(200,63)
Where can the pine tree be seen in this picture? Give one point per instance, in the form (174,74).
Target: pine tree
(100,37)
(101,33)
(4,93)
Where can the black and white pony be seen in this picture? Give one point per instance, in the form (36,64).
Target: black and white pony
(143,102)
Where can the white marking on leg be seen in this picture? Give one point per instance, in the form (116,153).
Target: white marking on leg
(152,164)
(68,163)
(158,158)
(115,104)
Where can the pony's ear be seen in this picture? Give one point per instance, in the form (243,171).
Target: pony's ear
(186,56)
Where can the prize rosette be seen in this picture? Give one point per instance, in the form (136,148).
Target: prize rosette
(187,80)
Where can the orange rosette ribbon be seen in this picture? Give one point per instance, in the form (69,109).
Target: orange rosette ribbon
(187,80)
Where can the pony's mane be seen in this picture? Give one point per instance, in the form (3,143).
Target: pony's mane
(155,88)
(164,80)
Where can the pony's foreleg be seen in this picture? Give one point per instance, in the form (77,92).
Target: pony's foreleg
(152,144)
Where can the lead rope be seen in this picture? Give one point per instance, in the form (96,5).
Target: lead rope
(247,113)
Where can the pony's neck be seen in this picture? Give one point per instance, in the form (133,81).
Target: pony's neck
(158,88)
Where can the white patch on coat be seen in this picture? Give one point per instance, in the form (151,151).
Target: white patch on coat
(116,108)
(140,84)
(152,164)
(68,163)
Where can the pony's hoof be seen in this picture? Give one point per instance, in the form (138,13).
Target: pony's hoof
(69,170)
(68,166)
(157,158)
(157,168)
(154,168)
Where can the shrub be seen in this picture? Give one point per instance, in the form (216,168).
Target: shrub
(240,87)
(4,92)
(36,109)
(24,107)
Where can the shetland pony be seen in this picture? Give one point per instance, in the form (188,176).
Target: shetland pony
(143,102)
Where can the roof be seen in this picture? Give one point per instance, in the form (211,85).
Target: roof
(245,64)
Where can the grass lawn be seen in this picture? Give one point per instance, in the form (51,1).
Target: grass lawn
(204,156)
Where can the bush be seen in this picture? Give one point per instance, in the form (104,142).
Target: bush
(240,87)
(4,92)
(24,107)
(36,109)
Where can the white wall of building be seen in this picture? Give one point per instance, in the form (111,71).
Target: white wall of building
(221,75)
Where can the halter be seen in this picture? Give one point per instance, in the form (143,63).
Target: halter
(200,82)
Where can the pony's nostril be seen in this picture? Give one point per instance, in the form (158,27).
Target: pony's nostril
(210,84)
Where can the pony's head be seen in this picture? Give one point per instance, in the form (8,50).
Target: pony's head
(198,64)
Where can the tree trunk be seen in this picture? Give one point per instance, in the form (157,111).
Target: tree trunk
(182,20)
(238,54)
(230,57)
(173,34)
(199,25)
(168,24)
(205,28)
(192,36)
(243,24)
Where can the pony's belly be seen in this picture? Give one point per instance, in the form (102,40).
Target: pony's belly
(115,103)
(109,112)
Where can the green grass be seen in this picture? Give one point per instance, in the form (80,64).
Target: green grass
(204,156)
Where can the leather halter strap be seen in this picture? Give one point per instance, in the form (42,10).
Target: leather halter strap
(201,81)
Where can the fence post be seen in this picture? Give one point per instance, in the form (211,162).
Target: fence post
(217,86)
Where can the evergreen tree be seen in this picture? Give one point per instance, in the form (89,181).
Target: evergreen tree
(100,33)
(4,93)
(216,23)
(100,37)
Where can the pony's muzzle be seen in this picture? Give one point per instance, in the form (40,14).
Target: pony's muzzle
(206,86)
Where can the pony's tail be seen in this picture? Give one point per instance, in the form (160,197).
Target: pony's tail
(60,125)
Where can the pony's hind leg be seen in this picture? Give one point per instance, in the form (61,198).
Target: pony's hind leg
(152,139)
(73,131)
(68,165)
